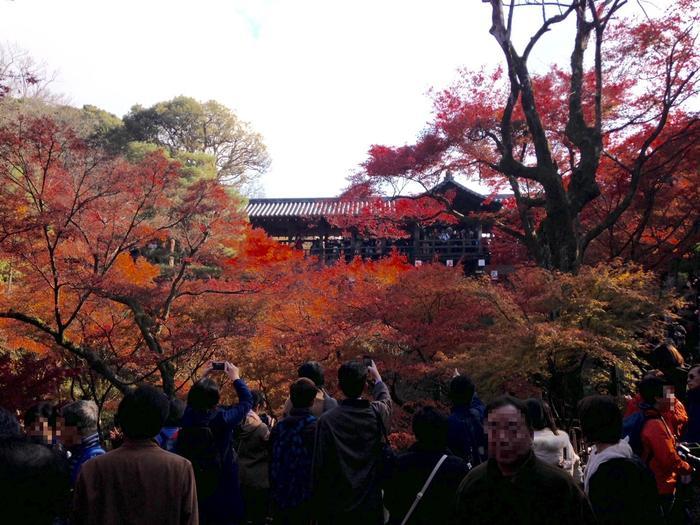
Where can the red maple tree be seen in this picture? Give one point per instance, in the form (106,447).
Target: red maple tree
(593,155)
(77,228)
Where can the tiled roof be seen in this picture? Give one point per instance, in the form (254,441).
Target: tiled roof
(309,207)
(332,206)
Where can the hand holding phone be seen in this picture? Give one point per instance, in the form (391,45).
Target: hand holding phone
(372,369)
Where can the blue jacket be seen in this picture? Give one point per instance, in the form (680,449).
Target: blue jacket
(167,437)
(226,504)
(465,432)
(88,449)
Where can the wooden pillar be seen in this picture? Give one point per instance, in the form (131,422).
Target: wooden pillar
(416,241)
(171,257)
(478,240)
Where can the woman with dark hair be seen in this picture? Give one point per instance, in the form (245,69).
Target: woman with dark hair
(550,444)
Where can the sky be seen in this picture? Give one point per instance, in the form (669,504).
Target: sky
(321,80)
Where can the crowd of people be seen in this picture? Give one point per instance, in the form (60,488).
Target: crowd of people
(330,462)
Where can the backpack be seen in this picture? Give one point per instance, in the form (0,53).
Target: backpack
(290,466)
(473,448)
(632,427)
(198,445)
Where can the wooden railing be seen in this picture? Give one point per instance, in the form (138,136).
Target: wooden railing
(424,249)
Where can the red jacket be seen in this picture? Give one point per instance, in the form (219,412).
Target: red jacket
(659,453)
(677,418)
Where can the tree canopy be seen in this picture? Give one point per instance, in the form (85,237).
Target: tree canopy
(185,125)
(600,157)
(77,229)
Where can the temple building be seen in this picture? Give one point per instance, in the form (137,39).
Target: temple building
(323,227)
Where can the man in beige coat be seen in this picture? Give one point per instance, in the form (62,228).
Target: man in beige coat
(138,483)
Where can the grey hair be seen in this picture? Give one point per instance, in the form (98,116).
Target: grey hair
(83,415)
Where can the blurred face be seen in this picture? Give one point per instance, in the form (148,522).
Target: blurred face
(66,434)
(694,378)
(41,430)
(668,403)
(509,438)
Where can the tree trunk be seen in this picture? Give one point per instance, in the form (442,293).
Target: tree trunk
(167,374)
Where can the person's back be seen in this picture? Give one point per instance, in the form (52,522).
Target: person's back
(549,447)
(205,438)
(292,445)
(348,451)
(623,491)
(620,487)
(413,468)
(254,462)
(465,436)
(138,483)
(550,444)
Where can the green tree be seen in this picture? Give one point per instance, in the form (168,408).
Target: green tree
(184,124)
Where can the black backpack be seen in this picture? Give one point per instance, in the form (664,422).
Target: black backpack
(199,446)
(290,467)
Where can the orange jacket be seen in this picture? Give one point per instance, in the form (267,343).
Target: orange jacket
(677,418)
(659,453)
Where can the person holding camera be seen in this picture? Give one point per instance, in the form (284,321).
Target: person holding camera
(348,452)
(206,439)
(323,402)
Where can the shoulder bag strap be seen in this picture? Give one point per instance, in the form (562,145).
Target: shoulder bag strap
(425,487)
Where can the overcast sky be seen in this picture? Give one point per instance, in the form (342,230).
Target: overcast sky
(322,80)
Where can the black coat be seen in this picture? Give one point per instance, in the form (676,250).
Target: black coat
(408,476)
(34,483)
(347,459)
(622,491)
(538,494)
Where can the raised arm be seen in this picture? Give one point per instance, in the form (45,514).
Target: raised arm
(380,394)
(233,415)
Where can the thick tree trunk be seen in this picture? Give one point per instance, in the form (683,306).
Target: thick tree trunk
(167,375)
(558,240)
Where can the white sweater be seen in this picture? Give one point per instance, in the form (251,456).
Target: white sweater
(549,447)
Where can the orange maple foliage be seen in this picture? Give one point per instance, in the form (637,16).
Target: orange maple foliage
(76,226)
